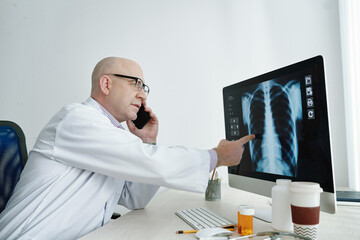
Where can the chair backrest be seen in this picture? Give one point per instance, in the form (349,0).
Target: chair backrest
(13,156)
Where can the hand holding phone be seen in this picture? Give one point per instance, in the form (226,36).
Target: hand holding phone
(142,119)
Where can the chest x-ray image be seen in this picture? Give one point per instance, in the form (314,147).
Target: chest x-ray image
(272,110)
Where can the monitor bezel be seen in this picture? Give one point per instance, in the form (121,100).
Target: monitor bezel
(262,185)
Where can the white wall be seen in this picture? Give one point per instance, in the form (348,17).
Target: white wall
(189,50)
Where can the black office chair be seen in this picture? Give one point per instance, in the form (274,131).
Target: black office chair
(13,156)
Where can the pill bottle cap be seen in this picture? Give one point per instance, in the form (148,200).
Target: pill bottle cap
(247,211)
(243,206)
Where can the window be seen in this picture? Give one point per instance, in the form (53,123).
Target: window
(350,43)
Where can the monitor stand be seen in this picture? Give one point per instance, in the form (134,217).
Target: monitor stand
(263,214)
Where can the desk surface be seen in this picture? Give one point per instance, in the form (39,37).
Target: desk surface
(158,219)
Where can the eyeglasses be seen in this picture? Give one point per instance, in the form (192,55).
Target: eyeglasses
(138,84)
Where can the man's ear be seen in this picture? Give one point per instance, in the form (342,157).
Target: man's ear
(105,84)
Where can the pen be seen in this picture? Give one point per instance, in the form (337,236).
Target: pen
(186,231)
(212,177)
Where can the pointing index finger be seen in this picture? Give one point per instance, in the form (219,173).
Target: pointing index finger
(247,138)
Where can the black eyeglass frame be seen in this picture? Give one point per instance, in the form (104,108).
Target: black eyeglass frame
(144,86)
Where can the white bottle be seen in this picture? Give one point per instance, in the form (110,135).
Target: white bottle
(281,210)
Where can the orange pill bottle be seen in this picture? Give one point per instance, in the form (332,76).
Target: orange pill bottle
(245,220)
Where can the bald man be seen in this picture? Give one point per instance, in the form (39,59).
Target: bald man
(84,162)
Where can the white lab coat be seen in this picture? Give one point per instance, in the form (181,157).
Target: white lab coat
(81,166)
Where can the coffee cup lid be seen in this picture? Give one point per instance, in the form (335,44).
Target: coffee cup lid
(305,187)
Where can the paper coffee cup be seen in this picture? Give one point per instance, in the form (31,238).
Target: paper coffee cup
(305,208)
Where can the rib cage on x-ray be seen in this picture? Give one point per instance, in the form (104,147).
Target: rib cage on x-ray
(271,111)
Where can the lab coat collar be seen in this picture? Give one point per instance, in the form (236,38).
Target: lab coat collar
(92,102)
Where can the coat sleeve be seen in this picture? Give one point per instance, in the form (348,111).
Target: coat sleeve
(86,139)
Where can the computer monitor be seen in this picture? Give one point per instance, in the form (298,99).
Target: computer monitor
(287,111)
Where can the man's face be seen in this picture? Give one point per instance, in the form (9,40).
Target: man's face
(125,98)
(118,94)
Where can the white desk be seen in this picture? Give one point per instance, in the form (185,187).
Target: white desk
(159,222)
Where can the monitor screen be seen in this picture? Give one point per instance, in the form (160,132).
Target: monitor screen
(286,109)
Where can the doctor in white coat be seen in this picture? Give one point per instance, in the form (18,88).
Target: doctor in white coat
(84,163)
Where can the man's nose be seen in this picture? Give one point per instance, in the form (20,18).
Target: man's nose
(141,94)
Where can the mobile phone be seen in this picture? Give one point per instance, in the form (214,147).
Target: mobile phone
(142,119)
